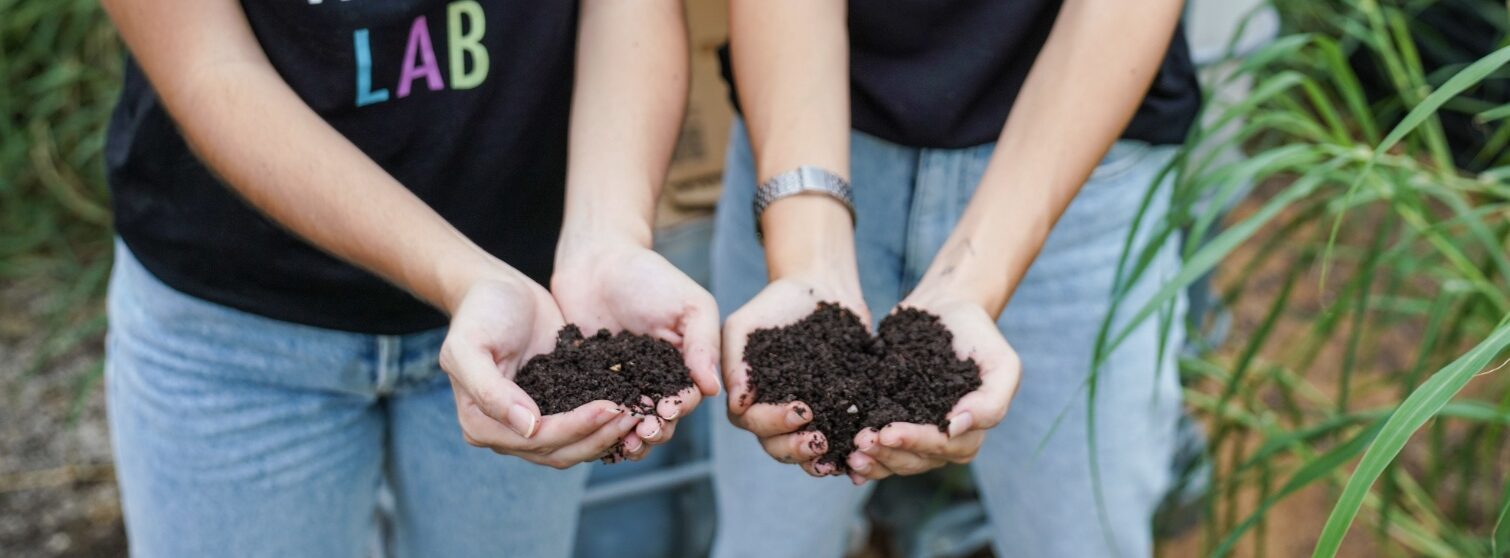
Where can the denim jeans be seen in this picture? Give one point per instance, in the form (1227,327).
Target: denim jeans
(237,435)
(1034,477)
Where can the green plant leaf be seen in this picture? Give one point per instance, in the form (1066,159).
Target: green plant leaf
(1313,470)
(1428,107)
(1499,542)
(1422,405)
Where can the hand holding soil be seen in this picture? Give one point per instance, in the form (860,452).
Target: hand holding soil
(631,372)
(969,334)
(893,395)
(782,427)
(622,287)
(499,323)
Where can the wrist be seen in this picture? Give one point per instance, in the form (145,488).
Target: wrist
(617,213)
(463,274)
(810,237)
(966,269)
(581,231)
(584,245)
(941,285)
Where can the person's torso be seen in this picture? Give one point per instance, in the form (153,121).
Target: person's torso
(945,73)
(464,102)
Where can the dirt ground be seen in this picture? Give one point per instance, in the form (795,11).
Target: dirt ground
(57,488)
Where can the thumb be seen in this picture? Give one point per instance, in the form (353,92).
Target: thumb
(736,372)
(700,337)
(496,396)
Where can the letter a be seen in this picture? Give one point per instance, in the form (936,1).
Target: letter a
(419,47)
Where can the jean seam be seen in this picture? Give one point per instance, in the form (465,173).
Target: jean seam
(386,369)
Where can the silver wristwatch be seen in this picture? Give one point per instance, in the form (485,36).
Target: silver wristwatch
(802,180)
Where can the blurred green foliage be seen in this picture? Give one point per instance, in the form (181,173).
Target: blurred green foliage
(60,63)
(61,66)
(1366,238)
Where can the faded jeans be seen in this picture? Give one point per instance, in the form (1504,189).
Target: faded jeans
(237,435)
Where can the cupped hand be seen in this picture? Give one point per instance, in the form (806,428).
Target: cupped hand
(909,449)
(783,302)
(622,286)
(500,323)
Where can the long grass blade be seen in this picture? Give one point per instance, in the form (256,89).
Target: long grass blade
(1422,404)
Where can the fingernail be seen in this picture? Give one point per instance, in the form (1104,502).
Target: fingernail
(818,444)
(522,421)
(633,445)
(960,424)
(654,433)
(671,414)
(797,416)
(605,415)
(867,441)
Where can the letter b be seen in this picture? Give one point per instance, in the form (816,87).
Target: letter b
(464,44)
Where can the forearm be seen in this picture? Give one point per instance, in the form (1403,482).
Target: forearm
(304,175)
(792,62)
(253,131)
(631,87)
(1085,86)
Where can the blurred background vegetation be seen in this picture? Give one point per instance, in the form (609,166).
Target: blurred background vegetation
(1360,251)
(60,64)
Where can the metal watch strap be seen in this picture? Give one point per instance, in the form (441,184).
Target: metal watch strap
(802,180)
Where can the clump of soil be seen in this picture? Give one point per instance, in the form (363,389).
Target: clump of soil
(852,380)
(623,368)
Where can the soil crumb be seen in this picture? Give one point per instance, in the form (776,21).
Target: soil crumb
(624,368)
(853,380)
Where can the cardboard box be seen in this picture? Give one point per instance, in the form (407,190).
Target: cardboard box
(693,182)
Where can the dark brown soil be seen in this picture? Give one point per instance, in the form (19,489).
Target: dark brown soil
(623,368)
(852,380)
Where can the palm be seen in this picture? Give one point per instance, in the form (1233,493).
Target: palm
(631,288)
(636,291)
(511,323)
(499,325)
(901,448)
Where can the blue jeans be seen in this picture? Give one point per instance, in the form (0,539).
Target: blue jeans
(237,435)
(1040,501)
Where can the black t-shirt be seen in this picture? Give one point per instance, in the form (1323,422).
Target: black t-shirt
(944,73)
(465,102)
